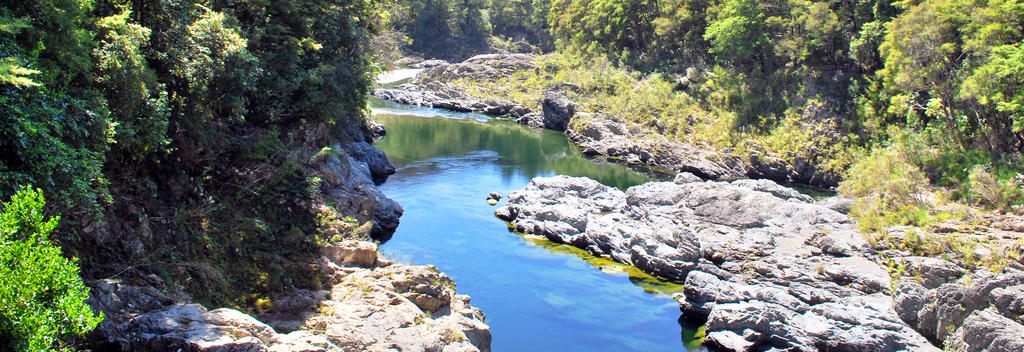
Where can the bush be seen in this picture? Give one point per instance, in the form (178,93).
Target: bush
(1000,194)
(888,187)
(42,298)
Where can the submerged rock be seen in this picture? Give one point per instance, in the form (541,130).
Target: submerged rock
(762,264)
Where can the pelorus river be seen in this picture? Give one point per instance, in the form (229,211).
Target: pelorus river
(537,295)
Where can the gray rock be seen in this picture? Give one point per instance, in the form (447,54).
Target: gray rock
(909,301)
(395,307)
(440,95)
(933,272)
(1009,301)
(480,67)
(349,182)
(558,110)
(750,252)
(987,331)
(686,177)
(839,204)
(494,196)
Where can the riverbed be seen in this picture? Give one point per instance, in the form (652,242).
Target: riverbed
(538,296)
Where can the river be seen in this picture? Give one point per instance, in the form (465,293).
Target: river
(538,296)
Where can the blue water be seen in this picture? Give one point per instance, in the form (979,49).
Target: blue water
(538,296)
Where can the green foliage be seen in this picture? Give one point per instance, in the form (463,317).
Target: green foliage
(42,298)
(997,193)
(889,188)
(736,31)
(200,114)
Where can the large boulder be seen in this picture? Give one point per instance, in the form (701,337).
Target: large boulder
(351,174)
(558,110)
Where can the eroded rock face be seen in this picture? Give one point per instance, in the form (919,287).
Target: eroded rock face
(963,313)
(763,264)
(351,176)
(380,307)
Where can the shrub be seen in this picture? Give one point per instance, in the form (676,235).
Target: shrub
(992,191)
(888,187)
(42,298)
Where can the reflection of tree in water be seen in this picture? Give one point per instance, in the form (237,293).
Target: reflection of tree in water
(521,150)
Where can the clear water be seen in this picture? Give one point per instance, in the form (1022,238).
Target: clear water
(538,296)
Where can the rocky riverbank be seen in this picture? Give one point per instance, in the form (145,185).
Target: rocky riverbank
(368,302)
(597,133)
(766,267)
(371,305)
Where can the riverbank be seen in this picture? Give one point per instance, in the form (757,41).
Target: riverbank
(358,299)
(828,286)
(499,85)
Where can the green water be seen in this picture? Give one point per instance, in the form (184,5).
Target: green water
(538,295)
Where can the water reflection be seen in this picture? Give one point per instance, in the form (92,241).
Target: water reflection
(538,295)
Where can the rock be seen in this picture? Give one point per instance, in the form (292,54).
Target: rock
(763,265)
(945,308)
(932,272)
(987,331)
(446,96)
(604,135)
(774,189)
(351,253)
(396,307)
(839,204)
(686,177)
(494,195)
(348,175)
(190,327)
(909,301)
(1009,301)
(480,67)
(558,110)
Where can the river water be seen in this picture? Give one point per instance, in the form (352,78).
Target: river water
(538,296)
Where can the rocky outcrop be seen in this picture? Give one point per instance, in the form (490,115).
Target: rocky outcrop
(480,67)
(351,174)
(430,88)
(557,109)
(762,264)
(440,95)
(605,135)
(979,312)
(382,306)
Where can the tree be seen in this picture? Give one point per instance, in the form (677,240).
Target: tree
(736,31)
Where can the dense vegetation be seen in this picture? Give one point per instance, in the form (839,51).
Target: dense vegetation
(457,29)
(42,298)
(839,84)
(174,137)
